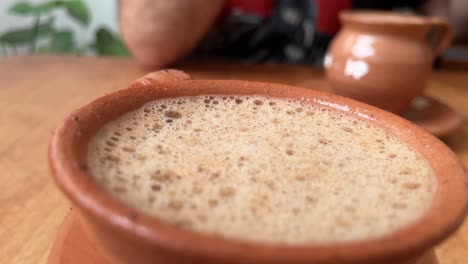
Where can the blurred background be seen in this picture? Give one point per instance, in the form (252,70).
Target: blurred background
(70,27)
(86,27)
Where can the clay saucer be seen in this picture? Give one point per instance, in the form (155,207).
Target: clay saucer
(73,246)
(432,115)
(428,113)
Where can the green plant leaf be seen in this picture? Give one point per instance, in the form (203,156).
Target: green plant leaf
(26,35)
(46,27)
(62,42)
(22,8)
(25,8)
(49,6)
(110,45)
(18,36)
(78,10)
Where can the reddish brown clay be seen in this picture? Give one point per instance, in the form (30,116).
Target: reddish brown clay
(384,58)
(435,117)
(124,235)
(73,246)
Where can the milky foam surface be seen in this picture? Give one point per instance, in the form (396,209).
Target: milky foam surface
(262,169)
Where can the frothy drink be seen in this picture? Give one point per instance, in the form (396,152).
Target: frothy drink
(262,169)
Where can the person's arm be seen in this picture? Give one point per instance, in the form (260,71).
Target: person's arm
(159,32)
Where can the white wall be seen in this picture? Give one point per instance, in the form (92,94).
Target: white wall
(103,13)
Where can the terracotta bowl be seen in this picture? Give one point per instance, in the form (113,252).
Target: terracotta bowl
(127,236)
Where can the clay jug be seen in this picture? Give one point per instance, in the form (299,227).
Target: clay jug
(384,58)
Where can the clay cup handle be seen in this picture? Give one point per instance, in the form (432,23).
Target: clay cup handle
(168,75)
(157,77)
(440,34)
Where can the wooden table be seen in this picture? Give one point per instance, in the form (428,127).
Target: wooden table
(37,92)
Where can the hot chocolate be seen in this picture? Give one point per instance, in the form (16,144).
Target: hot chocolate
(262,169)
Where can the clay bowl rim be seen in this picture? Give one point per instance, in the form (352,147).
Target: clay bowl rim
(69,171)
(378,17)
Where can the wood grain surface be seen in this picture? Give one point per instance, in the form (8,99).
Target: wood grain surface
(36,93)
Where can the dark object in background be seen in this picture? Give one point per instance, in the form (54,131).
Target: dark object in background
(286,35)
(386,4)
(282,31)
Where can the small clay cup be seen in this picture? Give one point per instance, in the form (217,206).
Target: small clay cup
(124,235)
(384,58)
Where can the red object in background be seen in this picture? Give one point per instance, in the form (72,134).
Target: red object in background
(327,11)
(259,7)
(328,21)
